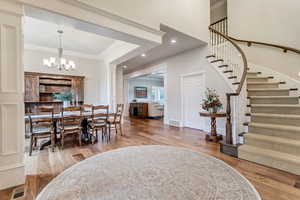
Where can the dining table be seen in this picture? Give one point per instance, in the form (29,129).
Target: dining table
(86,118)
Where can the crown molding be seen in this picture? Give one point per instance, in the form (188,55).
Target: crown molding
(113,16)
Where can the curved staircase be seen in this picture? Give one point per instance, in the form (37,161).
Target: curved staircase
(273,136)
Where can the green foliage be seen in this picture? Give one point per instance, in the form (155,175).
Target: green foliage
(64,96)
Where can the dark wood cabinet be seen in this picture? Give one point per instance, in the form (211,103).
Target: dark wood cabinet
(138,110)
(40,87)
(31,88)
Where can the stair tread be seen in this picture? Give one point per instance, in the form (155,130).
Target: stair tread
(263,83)
(253,72)
(275,97)
(268,89)
(277,105)
(258,77)
(275,126)
(270,153)
(278,140)
(275,115)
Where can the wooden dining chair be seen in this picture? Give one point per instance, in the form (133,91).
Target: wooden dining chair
(87,108)
(99,121)
(116,120)
(71,123)
(42,127)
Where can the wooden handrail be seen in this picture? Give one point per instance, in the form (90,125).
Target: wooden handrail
(220,29)
(223,19)
(242,80)
(250,42)
(284,48)
(245,62)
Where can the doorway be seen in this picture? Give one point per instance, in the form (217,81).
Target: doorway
(193,88)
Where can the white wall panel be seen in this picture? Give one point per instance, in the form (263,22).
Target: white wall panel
(11,96)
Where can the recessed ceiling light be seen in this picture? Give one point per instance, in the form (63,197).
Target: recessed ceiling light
(124,67)
(143,55)
(173,41)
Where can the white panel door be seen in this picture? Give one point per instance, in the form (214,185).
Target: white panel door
(11,95)
(193,92)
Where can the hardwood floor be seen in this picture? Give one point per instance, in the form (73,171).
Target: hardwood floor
(43,166)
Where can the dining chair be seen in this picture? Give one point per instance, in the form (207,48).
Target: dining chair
(87,108)
(42,127)
(116,120)
(71,123)
(99,121)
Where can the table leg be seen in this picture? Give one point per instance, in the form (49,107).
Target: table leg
(213,132)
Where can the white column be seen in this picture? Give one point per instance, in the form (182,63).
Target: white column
(119,85)
(112,70)
(11,95)
(125,96)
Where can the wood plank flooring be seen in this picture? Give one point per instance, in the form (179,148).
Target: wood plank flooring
(43,166)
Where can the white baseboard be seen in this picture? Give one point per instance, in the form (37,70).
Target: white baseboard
(12,176)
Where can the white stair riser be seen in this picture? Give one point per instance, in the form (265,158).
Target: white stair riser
(269,93)
(275,146)
(270,161)
(254,86)
(275,132)
(276,110)
(250,80)
(288,100)
(276,120)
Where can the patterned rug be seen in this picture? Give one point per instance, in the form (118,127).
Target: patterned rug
(150,173)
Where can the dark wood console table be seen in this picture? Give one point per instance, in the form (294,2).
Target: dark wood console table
(213,134)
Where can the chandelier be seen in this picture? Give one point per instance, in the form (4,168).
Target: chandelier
(60,63)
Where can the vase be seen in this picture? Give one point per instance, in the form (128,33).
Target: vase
(66,104)
(213,110)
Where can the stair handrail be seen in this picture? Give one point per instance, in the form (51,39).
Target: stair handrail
(250,42)
(243,55)
(219,36)
(284,48)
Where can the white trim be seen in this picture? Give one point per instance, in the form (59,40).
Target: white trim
(112,16)
(181,91)
(13,175)
(118,26)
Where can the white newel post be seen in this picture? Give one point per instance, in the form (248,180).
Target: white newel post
(11,95)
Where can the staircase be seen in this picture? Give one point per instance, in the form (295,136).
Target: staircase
(273,137)
(273,132)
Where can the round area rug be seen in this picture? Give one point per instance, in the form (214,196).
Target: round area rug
(150,173)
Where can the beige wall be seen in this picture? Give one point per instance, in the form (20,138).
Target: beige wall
(188,16)
(272,21)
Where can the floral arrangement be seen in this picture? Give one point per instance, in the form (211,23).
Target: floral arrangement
(212,102)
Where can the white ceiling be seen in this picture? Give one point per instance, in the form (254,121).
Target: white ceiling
(44,34)
(184,43)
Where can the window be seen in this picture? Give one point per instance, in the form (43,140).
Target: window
(158,94)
